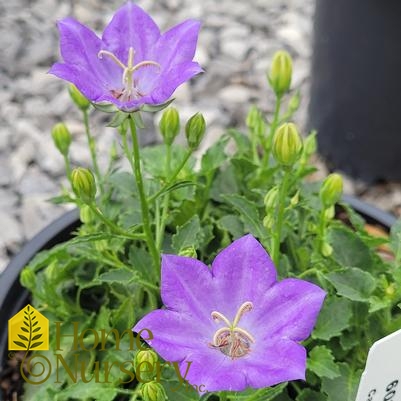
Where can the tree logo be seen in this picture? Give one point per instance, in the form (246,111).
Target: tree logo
(28,330)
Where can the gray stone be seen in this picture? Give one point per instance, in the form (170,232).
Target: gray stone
(36,182)
(11,231)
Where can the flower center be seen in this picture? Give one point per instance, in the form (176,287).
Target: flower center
(130,90)
(232,340)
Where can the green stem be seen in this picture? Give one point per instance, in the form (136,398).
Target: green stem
(273,126)
(172,178)
(321,229)
(92,149)
(136,168)
(280,216)
(68,168)
(114,227)
(166,201)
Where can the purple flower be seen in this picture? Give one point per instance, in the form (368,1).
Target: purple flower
(133,64)
(237,325)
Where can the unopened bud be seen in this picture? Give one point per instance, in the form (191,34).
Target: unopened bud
(252,117)
(280,72)
(153,391)
(270,199)
(295,199)
(326,249)
(310,144)
(145,364)
(294,102)
(86,215)
(83,184)
(331,190)
(78,98)
(195,130)
(287,144)
(62,138)
(170,125)
(268,221)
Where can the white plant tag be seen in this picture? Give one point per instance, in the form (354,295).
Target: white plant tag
(381,380)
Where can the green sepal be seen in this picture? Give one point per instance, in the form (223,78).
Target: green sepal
(118,118)
(152,108)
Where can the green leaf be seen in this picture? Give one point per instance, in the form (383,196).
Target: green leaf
(118,118)
(348,249)
(344,387)
(187,235)
(321,362)
(352,283)
(232,224)
(120,276)
(333,318)
(348,340)
(310,395)
(264,394)
(215,156)
(249,214)
(83,391)
(241,140)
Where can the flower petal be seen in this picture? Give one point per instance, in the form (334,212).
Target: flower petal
(244,272)
(169,80)
(174,334)
(79,47)
(187,287)
(273,362)
(130,27)
(288,310)
(177,45)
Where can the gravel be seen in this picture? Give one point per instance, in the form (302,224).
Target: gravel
(236,45)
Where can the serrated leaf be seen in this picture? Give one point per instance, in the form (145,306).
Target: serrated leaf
(333,318)
(321,362)
(20,344)
(34,345)
(343,387)
(120,276)
(249,214)
(352,283)
(348,249)
(232,224)
(215,156)
(187,235)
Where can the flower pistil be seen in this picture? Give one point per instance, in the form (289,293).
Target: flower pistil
(130,90)
(231,340)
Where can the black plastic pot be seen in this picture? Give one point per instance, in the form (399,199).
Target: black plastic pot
(13,297)
(355,86)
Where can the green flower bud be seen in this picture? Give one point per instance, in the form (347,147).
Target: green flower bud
(326,249)
(86,215)
(310,144)
(145,364)
(153,391)
(253,117)
(170,125)
(294,102)
(27,278)
(270,199)
(280,72)
(295,199)
(195,130)
(52,272)
(78,98)
(189,252)
(83,184)
(62,138)
(268,222)
(287,144)
(331,190)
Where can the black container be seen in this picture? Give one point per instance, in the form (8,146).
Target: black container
(356,86)
(13,297)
